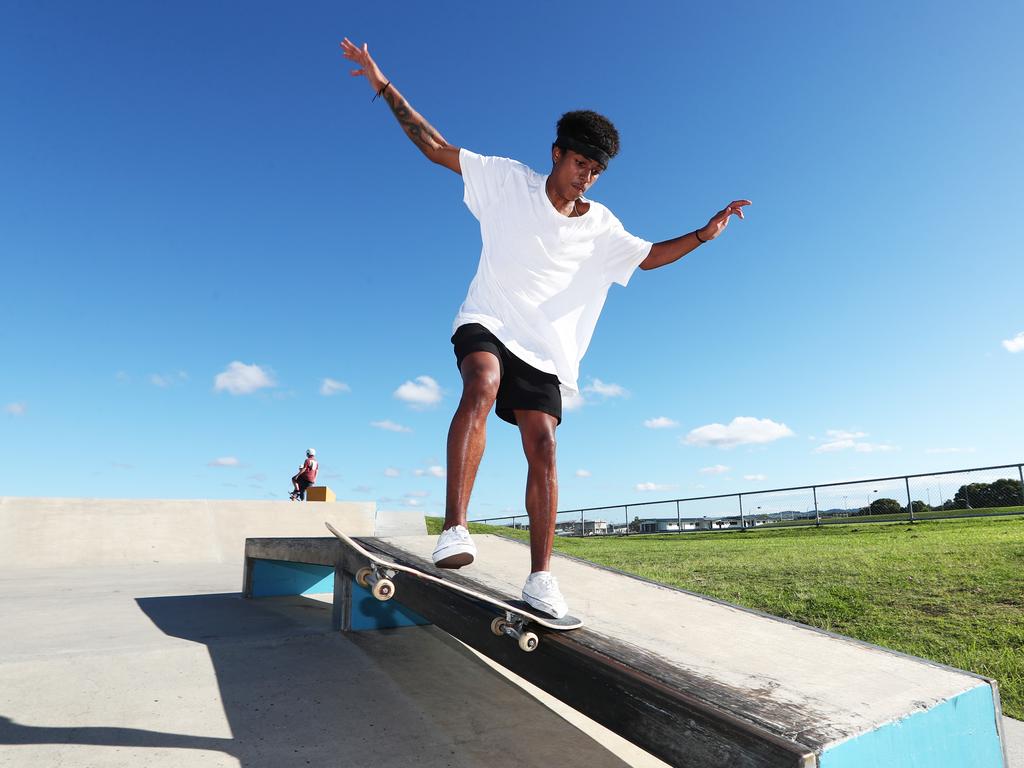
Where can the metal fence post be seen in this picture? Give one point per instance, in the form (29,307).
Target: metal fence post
(1021,473)
(910,503)
(743,521)
(626,508)
(679,520)
(583,524)
(817,514)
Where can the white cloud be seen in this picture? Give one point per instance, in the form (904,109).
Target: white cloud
(241,379)
(224,461)
(583,473)
(391,472)
(417,494)
(950,450)
(362,489)
(412,502)
(330,387)
(16,409)
(1016,344)
(573,401)
(661,422)
(164,380)
(434,471)
(743,430)
(843,434)
(652,487)
(421,393)
(390,426)
(718,469)
(874,447)
(755,478)
(846,440)
(835,445)
(599,387)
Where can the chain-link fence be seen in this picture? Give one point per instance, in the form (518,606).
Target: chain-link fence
(958,493)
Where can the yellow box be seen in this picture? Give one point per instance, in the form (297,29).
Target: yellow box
(320,493)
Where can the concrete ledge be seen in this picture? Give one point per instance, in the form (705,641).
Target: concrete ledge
(698,682)
(693,681)
(51,532)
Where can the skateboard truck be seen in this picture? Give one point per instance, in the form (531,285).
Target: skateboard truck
(378,580)
(512,617)
(515,626)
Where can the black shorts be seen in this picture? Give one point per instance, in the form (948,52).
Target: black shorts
(522,386)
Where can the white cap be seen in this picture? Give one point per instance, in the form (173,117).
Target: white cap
(311,451)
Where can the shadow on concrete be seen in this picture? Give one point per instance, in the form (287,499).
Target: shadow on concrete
(295,693)
(14,734)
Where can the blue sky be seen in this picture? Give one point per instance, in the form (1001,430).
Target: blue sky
(217,252)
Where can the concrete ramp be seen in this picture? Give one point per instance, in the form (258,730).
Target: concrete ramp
(125,643)
(54,532)
(699,683)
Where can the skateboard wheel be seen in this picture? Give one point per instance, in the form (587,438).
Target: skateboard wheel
(363,577)
(528,641)
(384,589)
(498,626)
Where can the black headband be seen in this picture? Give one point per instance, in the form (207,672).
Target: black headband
(587,150)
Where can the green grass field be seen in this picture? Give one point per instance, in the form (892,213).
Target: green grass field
(951,591)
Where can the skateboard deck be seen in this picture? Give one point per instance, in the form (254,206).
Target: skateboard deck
(515,615)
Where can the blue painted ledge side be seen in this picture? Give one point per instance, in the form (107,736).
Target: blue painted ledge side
(958,733)
(274,578)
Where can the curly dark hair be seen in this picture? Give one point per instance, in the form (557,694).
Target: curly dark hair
(590,127)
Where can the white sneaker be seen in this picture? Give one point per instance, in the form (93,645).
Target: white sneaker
(454,548)
(541,591)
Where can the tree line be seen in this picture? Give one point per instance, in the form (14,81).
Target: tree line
(1001,493)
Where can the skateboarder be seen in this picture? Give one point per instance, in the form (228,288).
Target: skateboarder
(549,256)
(305,477)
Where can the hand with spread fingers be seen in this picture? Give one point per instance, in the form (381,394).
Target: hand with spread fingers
(367,66)
(720,220)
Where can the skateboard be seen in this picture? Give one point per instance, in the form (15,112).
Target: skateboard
(514,615)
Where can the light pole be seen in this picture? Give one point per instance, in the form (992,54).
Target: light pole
(868,512)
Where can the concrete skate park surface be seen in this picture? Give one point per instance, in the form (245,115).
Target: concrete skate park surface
(126,642)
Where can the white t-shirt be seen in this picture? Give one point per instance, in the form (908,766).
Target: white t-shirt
(543,277)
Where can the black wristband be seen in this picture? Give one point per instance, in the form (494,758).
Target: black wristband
(381,91)
(696,233)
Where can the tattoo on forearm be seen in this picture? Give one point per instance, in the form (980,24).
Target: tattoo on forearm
(422,133)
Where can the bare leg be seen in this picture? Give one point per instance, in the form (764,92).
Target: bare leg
(538,433)
(481,375)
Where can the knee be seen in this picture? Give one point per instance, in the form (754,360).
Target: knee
(480,386)
(540,447)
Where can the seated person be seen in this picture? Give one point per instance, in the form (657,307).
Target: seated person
(306,476)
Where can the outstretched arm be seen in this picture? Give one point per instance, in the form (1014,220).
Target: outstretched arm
(668,251)
(420,132)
